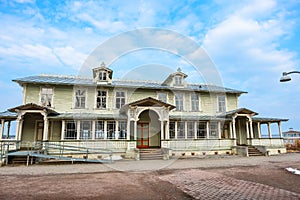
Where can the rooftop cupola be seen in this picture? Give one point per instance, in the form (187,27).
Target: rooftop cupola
(102,74)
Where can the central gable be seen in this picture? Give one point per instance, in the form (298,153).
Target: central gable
(149,101)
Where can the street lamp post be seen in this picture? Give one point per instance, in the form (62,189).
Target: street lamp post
(285,76)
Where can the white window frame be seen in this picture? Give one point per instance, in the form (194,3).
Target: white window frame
(115,99)
(85,100)
(85,134)
(121,131)
(221,108)
(41,95)
(195,102)
(178,108)
(99,133)
(162,93)
(180,132)
(102,76)
(106,98)
(66,130)
(178,80)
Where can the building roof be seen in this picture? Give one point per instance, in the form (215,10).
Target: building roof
(83,81)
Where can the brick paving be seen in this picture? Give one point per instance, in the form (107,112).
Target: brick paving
(208,185)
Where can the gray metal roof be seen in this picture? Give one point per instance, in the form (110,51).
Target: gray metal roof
(8,114)
(267,119)
(86,116)
(73,80)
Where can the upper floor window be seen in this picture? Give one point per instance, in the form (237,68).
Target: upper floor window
(162,97)
(120,99)
(221,103)
(102,76)
(46,96)
(80,98)
(179,101)
(178,80)
(101,99)
(195,102)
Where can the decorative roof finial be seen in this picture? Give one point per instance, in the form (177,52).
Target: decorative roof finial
(102,64)
(179,69)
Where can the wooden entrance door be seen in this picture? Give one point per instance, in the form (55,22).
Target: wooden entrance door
(143,135)
(39,130)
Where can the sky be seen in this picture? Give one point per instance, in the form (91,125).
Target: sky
(250,43)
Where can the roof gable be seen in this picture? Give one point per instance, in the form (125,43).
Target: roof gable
(31,106)
(149,101)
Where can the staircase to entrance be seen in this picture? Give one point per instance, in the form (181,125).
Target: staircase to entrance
(151,154)
(252,151)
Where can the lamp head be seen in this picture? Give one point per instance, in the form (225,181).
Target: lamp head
(285,77)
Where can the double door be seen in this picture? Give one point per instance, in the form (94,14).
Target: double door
(143,135)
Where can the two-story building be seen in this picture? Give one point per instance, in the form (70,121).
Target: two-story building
(121,115)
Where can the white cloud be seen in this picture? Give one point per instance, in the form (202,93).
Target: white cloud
(70,56)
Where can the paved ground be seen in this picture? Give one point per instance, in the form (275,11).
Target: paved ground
(230,177)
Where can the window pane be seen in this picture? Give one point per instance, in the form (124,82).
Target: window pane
(180,130)
(70,130)
(101,99)
(111,128)
(120,99)
(172,130)
(213,129)
(85,130)
(201,129)
(221,103)
(195,102)
(122,130)
(162,97)
(179,102)
(99,131)
(80,96)
(46,96)
(190,129)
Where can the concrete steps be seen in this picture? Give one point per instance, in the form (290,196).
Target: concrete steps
(252,151)
(151,154)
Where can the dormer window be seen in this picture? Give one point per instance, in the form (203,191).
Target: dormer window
(102,76)
(177,80)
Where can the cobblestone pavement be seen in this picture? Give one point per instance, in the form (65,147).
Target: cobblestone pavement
(208,185)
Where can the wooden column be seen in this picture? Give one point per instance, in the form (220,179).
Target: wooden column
(258,129)
(46,128)
(279,129)
(161,130)
(269,130)
(63,127)
(207,130)
(2,128)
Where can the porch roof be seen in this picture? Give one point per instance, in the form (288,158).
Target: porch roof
(8,115)
(197,118)
(86,116)
(268,119)
(238,111)
(31,106)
